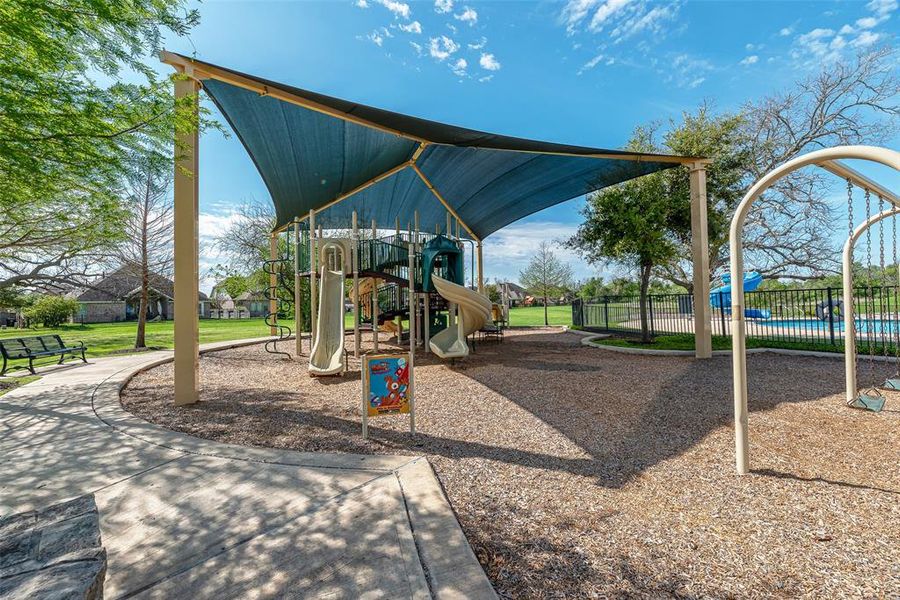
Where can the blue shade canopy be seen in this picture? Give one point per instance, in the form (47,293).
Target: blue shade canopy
(312,150)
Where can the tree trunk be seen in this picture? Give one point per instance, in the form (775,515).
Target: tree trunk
(140,341)
(645,286)
(140,338)
(546,321)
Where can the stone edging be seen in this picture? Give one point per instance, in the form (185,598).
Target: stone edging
(451,567)
(588,340)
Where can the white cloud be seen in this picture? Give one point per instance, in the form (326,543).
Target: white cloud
(786,31)
(442,47)
(485,78)
(508,251)
(488,62)
(846,30)
(866,38)
(750,60)
(593,62)
(376,38)
(362,4)
(414,27)
(400,9)
(606,12)
(417,48)
(687,71)
(468,15)
(574,12)
(478,46)
(838,43)
(882,8)
(459,67)
(867,22)
(211,225)
(443,6)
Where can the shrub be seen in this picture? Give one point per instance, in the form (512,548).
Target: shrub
(51,311)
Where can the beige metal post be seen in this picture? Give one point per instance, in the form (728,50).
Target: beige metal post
(700,253)
(354,260)
(187,253)
(374,297)
(412,331)
(298,321)
(480,268)
(312,278)
(273,283)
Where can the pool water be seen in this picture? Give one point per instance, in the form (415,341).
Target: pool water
(864,325)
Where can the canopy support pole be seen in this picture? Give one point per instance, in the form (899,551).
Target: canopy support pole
(312,279)
(187,251)
(374,299)
(354,242)
(298,320)
(700,254)
(480,267)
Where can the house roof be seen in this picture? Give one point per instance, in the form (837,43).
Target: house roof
(122,284)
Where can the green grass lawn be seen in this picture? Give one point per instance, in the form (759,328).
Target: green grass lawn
(533,316)
(105,338)
(9,383)
(686,342)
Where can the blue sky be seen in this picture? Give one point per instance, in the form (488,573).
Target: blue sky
(582,72)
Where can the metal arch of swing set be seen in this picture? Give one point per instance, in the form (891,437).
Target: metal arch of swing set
(826,159)
(849,310)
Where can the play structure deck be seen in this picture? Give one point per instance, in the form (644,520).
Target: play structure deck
(384,270)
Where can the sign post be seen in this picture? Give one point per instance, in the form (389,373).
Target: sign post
(387,388)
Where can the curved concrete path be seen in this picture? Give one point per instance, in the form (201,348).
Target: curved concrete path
(186,517)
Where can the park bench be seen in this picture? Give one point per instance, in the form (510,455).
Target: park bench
(39,346)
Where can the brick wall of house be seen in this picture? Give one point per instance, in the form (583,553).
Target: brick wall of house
(100,312)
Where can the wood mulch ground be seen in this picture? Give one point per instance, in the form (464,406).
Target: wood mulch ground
(580,472)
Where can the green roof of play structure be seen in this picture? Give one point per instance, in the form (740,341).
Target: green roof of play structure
(312,149)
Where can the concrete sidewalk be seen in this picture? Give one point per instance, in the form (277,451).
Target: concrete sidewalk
(186,517)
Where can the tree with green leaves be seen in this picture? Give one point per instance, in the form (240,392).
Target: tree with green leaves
(51,311)
(546,276)
(65,138)
(635,224)
(789,231)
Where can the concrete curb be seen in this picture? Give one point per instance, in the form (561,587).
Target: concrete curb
(453,575)
(450,565)
(588,340)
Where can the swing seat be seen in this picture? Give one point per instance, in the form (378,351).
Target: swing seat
(892,384)
(866,402)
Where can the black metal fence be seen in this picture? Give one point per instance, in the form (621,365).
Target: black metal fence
(794,315)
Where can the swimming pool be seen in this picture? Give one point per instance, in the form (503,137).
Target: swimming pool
(863,325)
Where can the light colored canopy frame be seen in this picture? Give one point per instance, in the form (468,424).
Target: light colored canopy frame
(828,160)
(187,214)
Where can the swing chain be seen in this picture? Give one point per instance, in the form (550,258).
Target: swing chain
(882,292)
(896,322)
(870,295)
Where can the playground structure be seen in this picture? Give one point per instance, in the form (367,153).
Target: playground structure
(329,161)
(829,160)
(720,297)
(407,276)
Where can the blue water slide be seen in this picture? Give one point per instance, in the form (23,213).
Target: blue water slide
(721,296)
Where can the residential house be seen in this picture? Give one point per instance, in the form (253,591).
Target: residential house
(117,297)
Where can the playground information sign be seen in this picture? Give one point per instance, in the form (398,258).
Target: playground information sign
(386,387)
